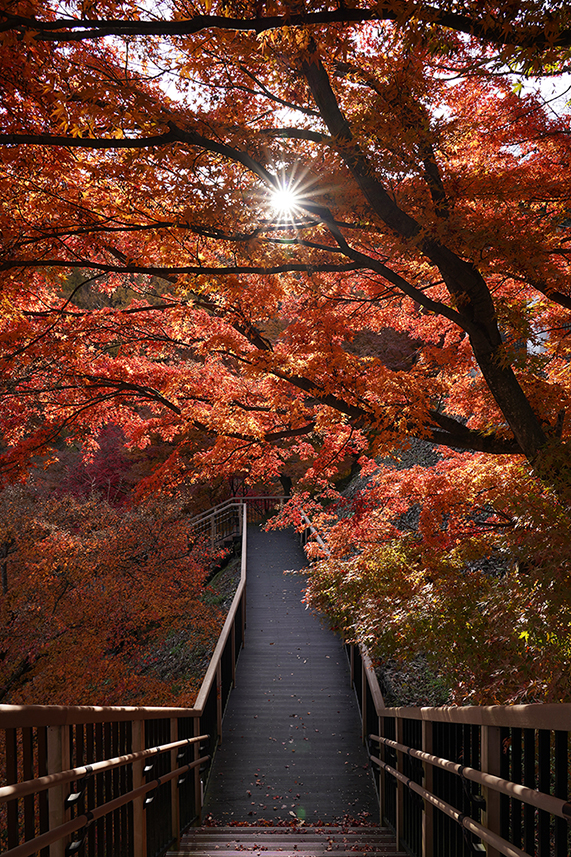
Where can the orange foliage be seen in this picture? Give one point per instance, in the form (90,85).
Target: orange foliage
(97,599)
(419,286)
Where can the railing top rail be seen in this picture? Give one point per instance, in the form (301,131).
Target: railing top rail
(232,501)
(210,676)
(17,716)
(537,715)
(314,533)
(215,510)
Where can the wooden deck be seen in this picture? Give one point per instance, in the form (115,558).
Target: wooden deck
(291,735)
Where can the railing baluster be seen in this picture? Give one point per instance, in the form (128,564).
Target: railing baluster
(529,780)
(561,786)
(516,775)
(43,812)
(58,760)
(400,786)
(490,755)
(544,785)
(28,771)
(12,777)
(175,811)
(428,782)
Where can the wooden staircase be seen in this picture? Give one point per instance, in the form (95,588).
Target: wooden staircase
(287,842)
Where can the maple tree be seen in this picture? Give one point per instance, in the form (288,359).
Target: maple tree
(154,278)
(120,584)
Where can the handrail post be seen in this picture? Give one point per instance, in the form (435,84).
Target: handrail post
(382,789)
(139,819)
(175,807)
(219,701)
(58,760)
(428,809)
(351,665)
(490,752)
(364,706)
(233,652)
(197,778)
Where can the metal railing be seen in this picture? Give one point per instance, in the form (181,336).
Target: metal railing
(221,526)
(110,780)
(457,781)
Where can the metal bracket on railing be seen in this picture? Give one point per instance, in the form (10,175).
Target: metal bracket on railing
(74,846)
(180,756)
(74,798)
(475,847)
(149,766)
(151,795)
(473,798)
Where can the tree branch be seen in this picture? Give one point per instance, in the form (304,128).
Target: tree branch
(490,28)
(198,270)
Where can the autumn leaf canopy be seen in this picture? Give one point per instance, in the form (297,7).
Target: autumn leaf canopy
(290,237)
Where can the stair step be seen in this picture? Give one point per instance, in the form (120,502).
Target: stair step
(287,842)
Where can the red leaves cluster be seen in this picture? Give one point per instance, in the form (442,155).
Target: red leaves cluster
(103,604)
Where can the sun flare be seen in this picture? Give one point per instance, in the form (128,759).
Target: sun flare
(284,201)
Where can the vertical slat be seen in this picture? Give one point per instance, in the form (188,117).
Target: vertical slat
(490,754)
(12,777)
(529,780)
(517,773)
(561,785)
(108,787)
(139,822)
(400,785)
(44,820)
(175,809)
(233,651)
(544,785)
(116,775)
(219,701)
(505,774)
(196,770)
(28,771)
(364,689)
(100,785)
(382,789)
(58,760)
(428,782)
(125,846)
(90,792)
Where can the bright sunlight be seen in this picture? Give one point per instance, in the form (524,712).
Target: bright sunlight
(284,200)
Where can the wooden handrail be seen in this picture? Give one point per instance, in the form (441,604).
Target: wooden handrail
(26,849)
(28,787)
(502,845)
(233,501)
(17,716)
(536,715)
(553,805)
(210,676)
